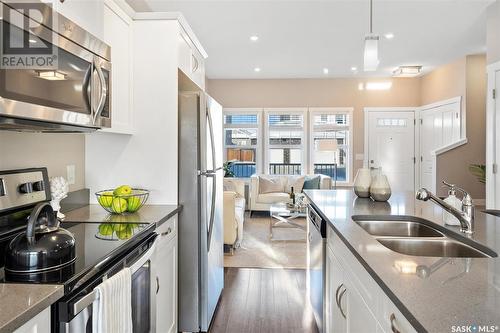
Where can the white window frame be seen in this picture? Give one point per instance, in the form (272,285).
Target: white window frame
(350,146)
(267,146)
(258,147)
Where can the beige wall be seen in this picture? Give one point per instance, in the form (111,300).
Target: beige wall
(54,151)
(465,77)
(316,93)
(493,33)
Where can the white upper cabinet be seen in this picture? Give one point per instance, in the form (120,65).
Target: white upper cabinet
(118,34)
(191,60)
(87,14)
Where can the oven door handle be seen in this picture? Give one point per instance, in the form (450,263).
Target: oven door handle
(88,299)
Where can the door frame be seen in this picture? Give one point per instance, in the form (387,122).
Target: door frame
(492,135)
(416,136)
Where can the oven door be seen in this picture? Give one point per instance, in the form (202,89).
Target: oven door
(69,92)
(143,300)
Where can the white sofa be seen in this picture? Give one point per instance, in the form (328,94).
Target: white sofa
(262,201)
(234,212)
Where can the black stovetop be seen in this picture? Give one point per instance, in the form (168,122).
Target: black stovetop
(98,245)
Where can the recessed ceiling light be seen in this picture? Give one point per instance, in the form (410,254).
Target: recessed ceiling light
(257,69)
(325,71)
(389,35)
(407,71)
(354,68)
(254,38)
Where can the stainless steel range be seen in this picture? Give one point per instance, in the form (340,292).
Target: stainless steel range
(28,234)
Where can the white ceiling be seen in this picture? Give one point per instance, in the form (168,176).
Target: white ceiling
(297,39)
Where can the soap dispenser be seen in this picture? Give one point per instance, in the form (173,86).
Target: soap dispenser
(453,201)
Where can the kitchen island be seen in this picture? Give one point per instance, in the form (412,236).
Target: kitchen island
(434,294)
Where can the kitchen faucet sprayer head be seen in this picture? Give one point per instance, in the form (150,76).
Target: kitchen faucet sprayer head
(423,194)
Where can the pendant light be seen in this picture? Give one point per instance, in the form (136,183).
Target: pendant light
(371,60)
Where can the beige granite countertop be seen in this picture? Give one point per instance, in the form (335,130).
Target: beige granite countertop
(94,213)
(21,302)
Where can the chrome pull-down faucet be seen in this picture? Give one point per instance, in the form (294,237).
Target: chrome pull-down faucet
(464,216)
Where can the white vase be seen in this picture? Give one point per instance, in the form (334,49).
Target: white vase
(362,183)
(380,190)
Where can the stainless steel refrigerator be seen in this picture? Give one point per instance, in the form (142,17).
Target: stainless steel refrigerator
(201,266)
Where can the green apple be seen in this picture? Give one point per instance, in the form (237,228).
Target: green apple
(134,203)
(119,205)
(106,199)
(106,229)
(123,190)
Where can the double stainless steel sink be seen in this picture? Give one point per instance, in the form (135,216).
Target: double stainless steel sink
(418,237)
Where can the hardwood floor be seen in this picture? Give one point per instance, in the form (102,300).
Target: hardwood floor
(264,300)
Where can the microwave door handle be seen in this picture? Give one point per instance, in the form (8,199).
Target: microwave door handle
(104,94)
(85,89)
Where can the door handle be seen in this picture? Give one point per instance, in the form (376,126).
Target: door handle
(157,285)
(337,294)
(104,93)
(169,230)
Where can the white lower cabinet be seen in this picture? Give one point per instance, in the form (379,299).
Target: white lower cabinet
(354,303)
(38,324)
(166,277)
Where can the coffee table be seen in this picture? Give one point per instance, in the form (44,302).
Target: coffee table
(282,215)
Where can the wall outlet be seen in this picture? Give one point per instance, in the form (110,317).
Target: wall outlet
(70,174)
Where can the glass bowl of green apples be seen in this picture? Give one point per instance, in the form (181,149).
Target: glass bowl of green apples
(123,199)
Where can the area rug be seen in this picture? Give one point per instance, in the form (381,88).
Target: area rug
(286,250)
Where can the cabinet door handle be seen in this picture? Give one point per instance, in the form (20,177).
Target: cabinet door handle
(337,294)
(169,230)
(157,285)
(392,318)
(196,64)
(340,303)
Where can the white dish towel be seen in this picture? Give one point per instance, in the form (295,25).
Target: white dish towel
(112,309)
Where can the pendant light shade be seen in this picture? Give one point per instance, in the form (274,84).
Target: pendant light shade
(371,60)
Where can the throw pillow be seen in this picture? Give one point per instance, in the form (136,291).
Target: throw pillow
(297,182)
(270,185)
(312,183)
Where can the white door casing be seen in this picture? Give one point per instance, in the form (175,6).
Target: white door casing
(440,129)
(493,137)
(390,144)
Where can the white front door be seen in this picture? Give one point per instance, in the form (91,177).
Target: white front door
(391,146)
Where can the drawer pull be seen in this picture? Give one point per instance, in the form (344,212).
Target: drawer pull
(337,294)
(157,285)
(169,230)
(340,303)
(393,327)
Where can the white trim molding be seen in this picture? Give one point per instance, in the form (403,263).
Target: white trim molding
(492,137)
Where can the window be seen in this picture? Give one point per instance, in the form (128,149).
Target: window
(241,133)
(331,124)
(285,142)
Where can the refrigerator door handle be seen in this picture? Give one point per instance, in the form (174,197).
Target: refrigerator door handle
(212,174)
(212,210)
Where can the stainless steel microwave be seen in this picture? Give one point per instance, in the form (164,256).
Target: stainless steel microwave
(72,96)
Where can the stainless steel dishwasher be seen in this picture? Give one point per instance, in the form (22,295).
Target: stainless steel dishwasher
(316,249)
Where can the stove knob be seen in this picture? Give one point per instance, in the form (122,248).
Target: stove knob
(26,188)
(39,186)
